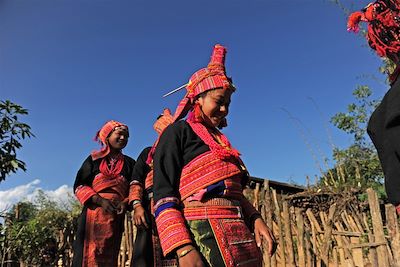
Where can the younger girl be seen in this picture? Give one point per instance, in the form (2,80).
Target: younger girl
(102,187)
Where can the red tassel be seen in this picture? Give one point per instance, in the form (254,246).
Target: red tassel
(354,21)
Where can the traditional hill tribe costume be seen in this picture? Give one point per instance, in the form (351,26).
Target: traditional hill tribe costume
(147,245)
(99,232)
(383,18)
(198,182)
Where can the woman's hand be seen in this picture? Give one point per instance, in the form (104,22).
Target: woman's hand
(139,216)
(191,259)
(262,232)
(121,207)
(105,204)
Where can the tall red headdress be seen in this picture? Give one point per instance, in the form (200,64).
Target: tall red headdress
(212,77)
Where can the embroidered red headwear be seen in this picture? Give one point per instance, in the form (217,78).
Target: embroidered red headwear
(101,137)
(159,126)
(163,121)
(383,21)
(212,77)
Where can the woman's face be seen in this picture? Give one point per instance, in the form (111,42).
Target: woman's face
(118,139)
(215,105)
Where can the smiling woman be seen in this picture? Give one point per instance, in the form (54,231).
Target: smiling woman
(202,216)
(102,186)
(214,106)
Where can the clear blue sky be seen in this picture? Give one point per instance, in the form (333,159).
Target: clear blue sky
(78,63)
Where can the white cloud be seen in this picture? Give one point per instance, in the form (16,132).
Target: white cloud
(30,191)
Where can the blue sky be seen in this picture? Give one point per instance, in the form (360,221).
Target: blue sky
(75,64)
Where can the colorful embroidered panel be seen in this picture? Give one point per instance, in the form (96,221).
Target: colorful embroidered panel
(135,191)
(172,230)
(149,180)
(102,235)
(83,193)
(236,243)
(203,171)
(118,184)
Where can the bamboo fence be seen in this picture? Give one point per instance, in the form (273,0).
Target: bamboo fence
(311,229)
(341,233)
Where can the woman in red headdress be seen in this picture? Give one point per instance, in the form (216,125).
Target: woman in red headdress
(147,250)
(383,35)
(102,186)
(202,216)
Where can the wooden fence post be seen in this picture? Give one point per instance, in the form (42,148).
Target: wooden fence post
(268,261)
(328,234)
(394,234)
(300,237)
(288,234)
(372,255)
(378,227)
(282,246)
(256,194)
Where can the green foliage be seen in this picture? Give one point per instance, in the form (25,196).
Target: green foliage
(356,166)
(12,131)
(34,232)
(355,120)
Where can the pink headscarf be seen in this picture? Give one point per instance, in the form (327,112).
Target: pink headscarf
(101,137)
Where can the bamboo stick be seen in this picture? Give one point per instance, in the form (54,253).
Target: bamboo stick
(309,256)
(363,245)
(378,227)
(300,237)
(344,244)
(328,234)
(393,231)
(281,246)
(268,219)
(288,234)
(372,255)
(357,252)
(256,194)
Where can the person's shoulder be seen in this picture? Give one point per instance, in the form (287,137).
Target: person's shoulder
(144,153)
(88,160)
(146,150)
(129,159)
(177,127)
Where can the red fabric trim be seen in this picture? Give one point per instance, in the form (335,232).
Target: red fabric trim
(236,243)
(210,212)
(172,230)
(222,149)
(112,168)
(118,184)
(234,188)
(203,171)
(83,193)
(102,235)
(149,180)
(135,192)
(166,200)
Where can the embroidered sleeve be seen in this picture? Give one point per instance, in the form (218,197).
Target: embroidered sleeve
(168,164)
(139,173)
(83,183)
(171,225)
(83,193)
(135,191)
